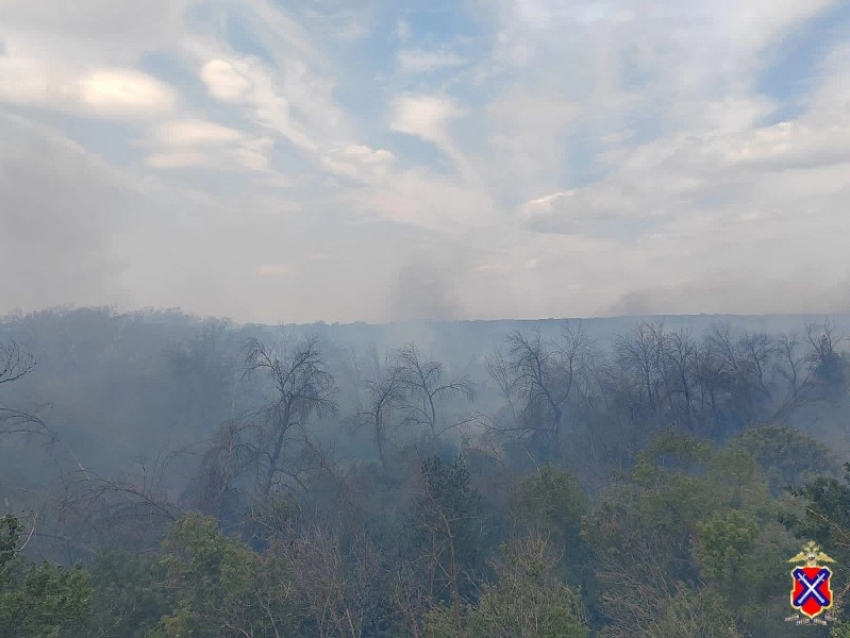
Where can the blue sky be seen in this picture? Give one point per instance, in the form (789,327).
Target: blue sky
(374,160)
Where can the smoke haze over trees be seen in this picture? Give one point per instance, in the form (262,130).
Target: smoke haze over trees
(611,477)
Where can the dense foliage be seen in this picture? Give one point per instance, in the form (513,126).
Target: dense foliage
(654,486)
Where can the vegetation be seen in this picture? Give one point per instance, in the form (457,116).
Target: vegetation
(653,485)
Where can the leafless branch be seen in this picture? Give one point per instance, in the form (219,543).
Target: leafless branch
(14,364)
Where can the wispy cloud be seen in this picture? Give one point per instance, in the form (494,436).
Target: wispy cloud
(464,159)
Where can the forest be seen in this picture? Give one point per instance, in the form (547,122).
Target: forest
(163,475)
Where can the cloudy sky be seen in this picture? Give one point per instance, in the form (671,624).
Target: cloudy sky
(377,160)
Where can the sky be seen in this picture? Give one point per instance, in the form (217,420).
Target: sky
(381,160)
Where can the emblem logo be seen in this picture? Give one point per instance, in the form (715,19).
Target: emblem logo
(811,586)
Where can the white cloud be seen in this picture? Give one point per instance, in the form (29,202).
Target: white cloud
(25,81)
(195,143)
(832,86)
(101,92)
(424,116)
(119,30)
(803,143)
(365,155)
(359,162)
(195,132)
(672,178)
(287,96)
(443,204)
(124,92)
(246,155)
(82,57)
(755,25)
(430,117)
(529,134)
(223,81)
(275,29)
(601,210)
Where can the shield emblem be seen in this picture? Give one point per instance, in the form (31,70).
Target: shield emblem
(811,592)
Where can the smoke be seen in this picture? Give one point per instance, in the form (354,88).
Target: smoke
(430,286)
(425,291)
(731,294)
(59,210)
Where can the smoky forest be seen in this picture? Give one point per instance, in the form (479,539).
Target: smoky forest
(163,475)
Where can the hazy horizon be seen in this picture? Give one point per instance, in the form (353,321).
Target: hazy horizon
(836,319)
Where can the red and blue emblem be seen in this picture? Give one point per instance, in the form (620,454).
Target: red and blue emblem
(811,593)
(811,589)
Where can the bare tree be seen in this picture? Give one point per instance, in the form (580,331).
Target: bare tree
(757,350)
(830,370)
(300,387)
(640,353)
(794,368)
(425,385)
(682,354)
(14,421)
(222,464)
(386,395)
(740,376)
(15,364)
(131,511)
(537,378)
